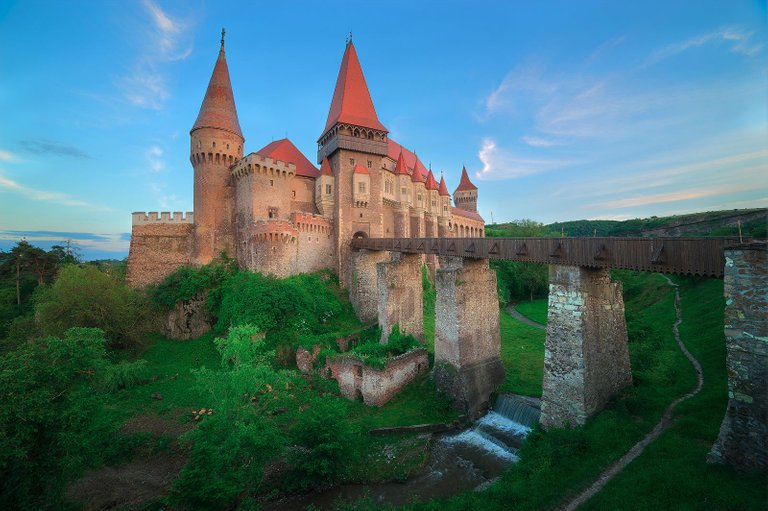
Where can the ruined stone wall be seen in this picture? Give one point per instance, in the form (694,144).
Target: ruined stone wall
(743,438)
(586,359)
(377,386)
(401,296)
(158,248)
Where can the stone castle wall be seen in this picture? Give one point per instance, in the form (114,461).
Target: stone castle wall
(159,245)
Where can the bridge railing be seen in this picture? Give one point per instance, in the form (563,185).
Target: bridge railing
(683,256)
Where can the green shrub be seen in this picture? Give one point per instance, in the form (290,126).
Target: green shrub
(188,281)
(124,375)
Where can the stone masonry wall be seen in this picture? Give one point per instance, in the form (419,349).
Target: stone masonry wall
(377,386)
(157,250)
(401,296)
(467,340)
(586,359)
(363,283)
(743,438)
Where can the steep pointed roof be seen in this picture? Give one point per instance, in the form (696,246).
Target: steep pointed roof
(284,150)
(325,168)
(431,183)
(417,176)
(352,102)
(218,108)
(443,189)
(359,169)
(465,184)
(401,168)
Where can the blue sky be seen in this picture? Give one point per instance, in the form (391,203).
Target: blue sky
(559,110)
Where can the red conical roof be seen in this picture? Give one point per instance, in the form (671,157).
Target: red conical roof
(465,183)
(218,108)
(401,168)
(431,183)
(417,176)
(325,168)
(284,150)
(351,100)
(443,189)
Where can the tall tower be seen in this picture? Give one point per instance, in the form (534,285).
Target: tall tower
(465,196)
(354,137)
(216,142)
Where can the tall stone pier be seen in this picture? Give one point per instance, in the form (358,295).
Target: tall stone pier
(467,341)
(586,359)
(743,438)
(362,281)
(401,296)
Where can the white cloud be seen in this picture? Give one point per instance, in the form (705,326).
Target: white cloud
(7,156)
(537,141)
(155,157)
(9,185)
(500,163)
(740,42)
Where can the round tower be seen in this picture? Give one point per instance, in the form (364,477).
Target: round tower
(216,143)
(465,196)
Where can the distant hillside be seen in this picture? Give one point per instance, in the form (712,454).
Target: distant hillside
(754,224)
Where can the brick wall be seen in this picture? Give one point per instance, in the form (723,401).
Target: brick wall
(156,251)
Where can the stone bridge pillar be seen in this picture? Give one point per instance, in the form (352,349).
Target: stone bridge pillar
(362,282)
(586,360)
(400,299)
(743,438)
(467,341)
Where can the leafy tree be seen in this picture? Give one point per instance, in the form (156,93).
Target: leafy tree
(84,296)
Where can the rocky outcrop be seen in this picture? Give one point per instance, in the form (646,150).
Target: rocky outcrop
(188,319)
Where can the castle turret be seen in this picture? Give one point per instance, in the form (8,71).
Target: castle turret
(324,185)
(354,136)
(216,144)
(465,196)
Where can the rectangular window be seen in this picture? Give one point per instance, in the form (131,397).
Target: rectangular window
(361,187)
(351,161)
(434,203)
(370,164)
(403,191)
(327,189)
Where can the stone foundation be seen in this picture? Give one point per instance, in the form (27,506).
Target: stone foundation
(467,341)
(187,320)
(363,283)
(586,360)
(743,438)
(401,296)
(377,386)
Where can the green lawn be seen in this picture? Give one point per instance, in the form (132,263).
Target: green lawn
(522,352)
(535,310)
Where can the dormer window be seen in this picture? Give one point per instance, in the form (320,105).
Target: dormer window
(361,187)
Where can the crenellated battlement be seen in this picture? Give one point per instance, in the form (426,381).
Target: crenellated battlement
(263,165)
(304,222)
(164,217)
(274,231)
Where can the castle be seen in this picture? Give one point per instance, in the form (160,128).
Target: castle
(277,213)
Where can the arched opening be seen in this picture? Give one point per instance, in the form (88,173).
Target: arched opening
(360,235)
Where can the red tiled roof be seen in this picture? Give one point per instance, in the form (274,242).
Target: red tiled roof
(443,189)
(465,183)
(218,108)
(431,183)
(352,102)
(417,176)
(467,214)
(401,168)
(325,168)
(284,150)
(359,169)
(411,160)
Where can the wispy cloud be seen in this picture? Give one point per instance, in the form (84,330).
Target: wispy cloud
(167,40)
(87,242)
(10,186)
(501,163)
(537,141)
(45,146)
(7,156)
(155,158)
(738,40)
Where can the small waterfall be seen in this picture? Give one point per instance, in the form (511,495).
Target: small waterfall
(518,409)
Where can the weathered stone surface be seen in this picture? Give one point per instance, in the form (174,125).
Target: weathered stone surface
(305,360)
(401,296)
(586,360)
(467,341)
(377,386)
(188,319)
(743,438)
(363,283)
(157,249)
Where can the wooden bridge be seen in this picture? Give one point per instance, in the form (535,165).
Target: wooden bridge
(682,256)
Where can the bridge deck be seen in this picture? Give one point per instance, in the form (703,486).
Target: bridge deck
(682,256)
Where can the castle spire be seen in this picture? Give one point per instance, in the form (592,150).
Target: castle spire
(443,189)
(352,102)
(465,183)
(401,168)
(431,183)
(218,109)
